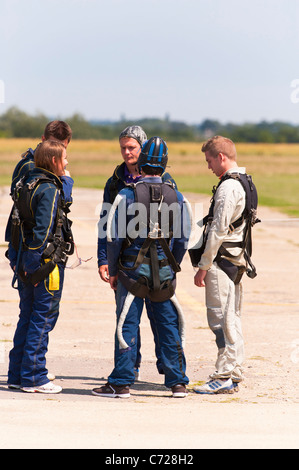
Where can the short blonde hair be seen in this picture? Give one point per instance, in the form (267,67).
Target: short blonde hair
(219,144)
(44,153)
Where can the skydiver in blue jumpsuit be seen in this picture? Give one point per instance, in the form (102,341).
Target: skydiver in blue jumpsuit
(131,140)
(166,313)
(39,302)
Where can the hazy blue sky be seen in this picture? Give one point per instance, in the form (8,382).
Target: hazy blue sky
(230,60)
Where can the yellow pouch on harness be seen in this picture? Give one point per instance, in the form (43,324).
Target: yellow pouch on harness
(54,278)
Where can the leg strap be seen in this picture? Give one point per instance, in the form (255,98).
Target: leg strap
(127,304)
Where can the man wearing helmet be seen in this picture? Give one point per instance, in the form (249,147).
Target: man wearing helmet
(144,265)
(131,140)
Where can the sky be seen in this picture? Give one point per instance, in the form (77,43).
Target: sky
(188,60)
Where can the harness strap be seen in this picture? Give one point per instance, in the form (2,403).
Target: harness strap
(142,259)
(127,304)
(57,249)
(16,271)
(248,216)
(139,258)
(246,246)
(57,242)
(155,267)
(131,258)
(113,187)
(172,261)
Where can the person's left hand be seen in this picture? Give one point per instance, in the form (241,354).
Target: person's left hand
(113,282)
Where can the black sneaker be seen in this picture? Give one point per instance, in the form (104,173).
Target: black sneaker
(179,391)
(112,391)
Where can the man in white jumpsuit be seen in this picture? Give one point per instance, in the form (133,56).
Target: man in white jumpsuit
(223,296)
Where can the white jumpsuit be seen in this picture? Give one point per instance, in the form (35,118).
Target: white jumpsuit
(223,297)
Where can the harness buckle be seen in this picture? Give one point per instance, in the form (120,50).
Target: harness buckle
(156,232)
(231,229)
(63,257)
(68,247)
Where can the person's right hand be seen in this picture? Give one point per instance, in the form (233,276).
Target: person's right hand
(104,272)
(199,278)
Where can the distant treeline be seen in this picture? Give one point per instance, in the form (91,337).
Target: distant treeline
(16,123)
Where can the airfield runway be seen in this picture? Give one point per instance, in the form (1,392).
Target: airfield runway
(263,414)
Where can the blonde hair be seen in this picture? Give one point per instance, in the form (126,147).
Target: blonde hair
(219,144)
(44,153)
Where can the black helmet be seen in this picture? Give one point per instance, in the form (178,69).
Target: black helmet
(154,153)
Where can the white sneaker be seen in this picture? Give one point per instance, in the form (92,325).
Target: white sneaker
(215,386)
(50,377)
(14,386)
(46,388)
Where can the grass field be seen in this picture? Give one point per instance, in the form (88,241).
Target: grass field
(274,167)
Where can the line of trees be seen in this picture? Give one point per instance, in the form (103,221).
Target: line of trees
(17,123)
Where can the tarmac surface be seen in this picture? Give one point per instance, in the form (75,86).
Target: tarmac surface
(263,414)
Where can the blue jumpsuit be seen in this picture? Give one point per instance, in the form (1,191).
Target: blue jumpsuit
(39,305)
(163,314)
(114,185)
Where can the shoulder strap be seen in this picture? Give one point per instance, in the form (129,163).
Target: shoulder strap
(43,179)
(113,186)
(251,200)
(114,183)
(27,158)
